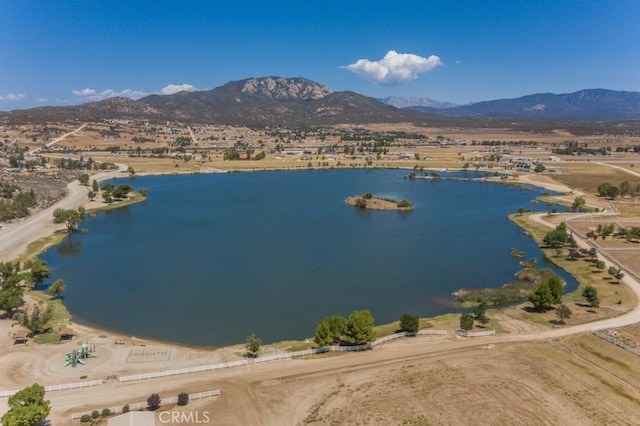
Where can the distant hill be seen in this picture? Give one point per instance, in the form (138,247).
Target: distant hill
(291,102)
(268,101)
(401,102)
(590,105)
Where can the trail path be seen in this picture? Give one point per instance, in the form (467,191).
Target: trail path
(60,138)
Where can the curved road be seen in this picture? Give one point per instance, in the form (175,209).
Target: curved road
(16,237)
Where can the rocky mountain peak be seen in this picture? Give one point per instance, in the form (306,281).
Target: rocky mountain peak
(281,88)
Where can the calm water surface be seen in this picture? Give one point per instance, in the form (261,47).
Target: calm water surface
(208,259)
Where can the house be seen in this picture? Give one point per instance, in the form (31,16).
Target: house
(20,336)
(66,334)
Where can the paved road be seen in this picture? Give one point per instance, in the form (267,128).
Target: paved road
(16,237)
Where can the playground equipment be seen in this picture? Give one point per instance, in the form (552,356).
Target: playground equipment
(78,356)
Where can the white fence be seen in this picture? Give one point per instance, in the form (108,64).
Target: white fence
(463,333)
(54,388)
(357,348)
(599,331)
(188,370)
(143,405)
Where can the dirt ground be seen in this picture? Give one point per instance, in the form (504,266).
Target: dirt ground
(530,373)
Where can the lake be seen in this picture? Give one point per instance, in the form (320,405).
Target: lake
(211,258)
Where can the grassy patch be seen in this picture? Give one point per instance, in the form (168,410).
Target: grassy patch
(38,247)
(528,280)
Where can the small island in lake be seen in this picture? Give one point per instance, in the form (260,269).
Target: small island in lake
(369,201)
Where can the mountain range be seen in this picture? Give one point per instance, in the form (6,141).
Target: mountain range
(273,101)
(591,104)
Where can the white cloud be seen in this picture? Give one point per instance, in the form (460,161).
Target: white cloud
(394,68)
(42,100)
(89,94)
(12,97)
(170,89)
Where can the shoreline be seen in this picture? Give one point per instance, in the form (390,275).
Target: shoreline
(119,174)
(24,364)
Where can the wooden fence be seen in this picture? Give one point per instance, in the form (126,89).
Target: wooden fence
(143,405)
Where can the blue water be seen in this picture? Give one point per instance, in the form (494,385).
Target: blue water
(208,259)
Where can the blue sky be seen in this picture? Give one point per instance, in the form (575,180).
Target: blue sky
(61,52)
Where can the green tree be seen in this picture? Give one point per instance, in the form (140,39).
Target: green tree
(69,217)
(359,329)
(36,320)
(558,237)
(615,272)
(323,335)
(555,286)
(38,271)
(27,407)
(91,195)
(521,211)
(603,189)
(253,344)
(337,325)
(11,298)
(84,179)
(466,322)
(131,171)
(563,313)
(591,294)
(539,168)
(56,288)
(579,204)
(94,186)
(367,195)
(625,188)
(480,313)
(613,192)
(409,323)
(143,191)
(541,298)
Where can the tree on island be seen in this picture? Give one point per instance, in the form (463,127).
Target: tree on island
(69,217)
(253,344)
(359,329)
(27,407)
(409,323)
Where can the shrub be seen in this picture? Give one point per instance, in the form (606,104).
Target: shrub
(105,412)
(153,402)
(125,409)
(361,203)
(367,195)
(85,418)
(404,204)
(183,399)
(95,414)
